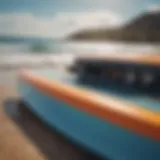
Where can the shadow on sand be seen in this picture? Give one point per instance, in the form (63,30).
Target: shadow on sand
(51,143)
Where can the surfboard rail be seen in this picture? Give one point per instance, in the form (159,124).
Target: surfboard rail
(127,115)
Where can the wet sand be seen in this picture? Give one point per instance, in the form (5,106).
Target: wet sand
(24,136)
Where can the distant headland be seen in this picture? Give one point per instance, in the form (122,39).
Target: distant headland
(143,28)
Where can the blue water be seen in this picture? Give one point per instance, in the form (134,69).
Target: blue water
(35,45)
(23,52)
(127,94)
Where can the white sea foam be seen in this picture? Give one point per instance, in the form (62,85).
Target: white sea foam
(18,55)
(35,60)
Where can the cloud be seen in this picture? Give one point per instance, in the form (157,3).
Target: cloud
(154,7)
(61,24)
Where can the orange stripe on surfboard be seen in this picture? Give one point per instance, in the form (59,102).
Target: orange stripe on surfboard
(129,116)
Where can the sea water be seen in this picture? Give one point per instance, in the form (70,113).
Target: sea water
(62,51)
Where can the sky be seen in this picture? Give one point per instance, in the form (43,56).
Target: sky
(58,18)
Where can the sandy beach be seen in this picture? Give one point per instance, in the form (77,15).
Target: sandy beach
(23,136)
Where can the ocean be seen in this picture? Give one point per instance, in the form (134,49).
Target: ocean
(34,52)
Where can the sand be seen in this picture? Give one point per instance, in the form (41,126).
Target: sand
(23,136)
